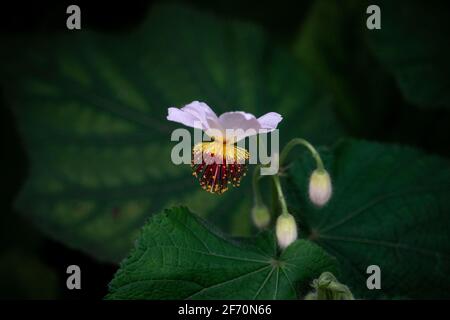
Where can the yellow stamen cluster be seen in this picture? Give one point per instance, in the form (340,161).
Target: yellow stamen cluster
(217,164)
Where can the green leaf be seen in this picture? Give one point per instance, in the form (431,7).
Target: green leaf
(178,256)
(91,109)
(413,45)
(390,208)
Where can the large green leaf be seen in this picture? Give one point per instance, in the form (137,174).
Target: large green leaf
(178,257)
(91,110)
(390,208)
(413,44)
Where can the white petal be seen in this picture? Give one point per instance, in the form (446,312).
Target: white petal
(239,125)
(177,115)
(199,109)
(195,114)
(234,119)
(248,123)
(270,120)
(215,128)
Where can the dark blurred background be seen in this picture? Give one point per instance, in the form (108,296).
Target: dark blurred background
(33,265)
(37,269)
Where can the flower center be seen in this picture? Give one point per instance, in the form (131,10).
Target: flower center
(216,164)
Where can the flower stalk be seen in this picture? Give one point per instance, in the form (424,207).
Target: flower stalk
(256,192)
(260,213)
(298,141)
(280,195)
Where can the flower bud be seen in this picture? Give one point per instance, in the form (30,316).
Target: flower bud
(320,187)
(286,230)
(260,216)
(327,287)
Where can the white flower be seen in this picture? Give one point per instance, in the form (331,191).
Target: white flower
(220,162)
(320,188)
(229,126)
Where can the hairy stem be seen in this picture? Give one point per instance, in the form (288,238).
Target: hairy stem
(281,199)
(303,142)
